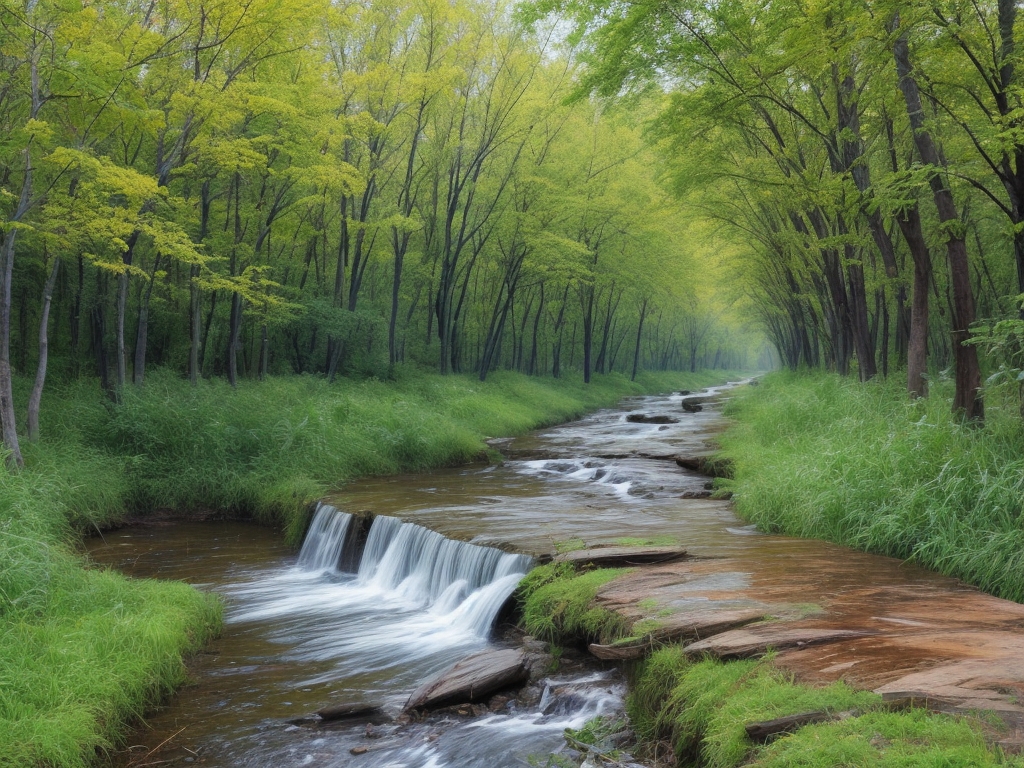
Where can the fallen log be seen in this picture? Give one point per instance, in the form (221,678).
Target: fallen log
(472,679)
(612,557)
(763,732)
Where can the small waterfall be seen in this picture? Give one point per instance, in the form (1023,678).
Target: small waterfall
(465,583)
(323,545)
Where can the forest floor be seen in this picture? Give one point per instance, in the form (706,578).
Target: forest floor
(84,651)
(869,660)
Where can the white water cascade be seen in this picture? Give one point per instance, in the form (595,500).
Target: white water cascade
(322,548)
(415,598)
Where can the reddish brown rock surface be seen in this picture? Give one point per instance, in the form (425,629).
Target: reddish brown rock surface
(874,622)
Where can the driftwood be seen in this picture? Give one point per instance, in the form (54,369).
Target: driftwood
(765,731)
(643,418)
(612,557)
(473,679)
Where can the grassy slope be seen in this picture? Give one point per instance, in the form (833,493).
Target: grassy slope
(702,707)
(83,650)
(861,465)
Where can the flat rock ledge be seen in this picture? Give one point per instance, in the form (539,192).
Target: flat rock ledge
(617,557)
(472,679)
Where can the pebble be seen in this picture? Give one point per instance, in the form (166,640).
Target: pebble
(359,750)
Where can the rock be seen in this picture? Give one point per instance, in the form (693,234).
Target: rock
(359,750)
(610,557)
(755,641)
(695,495)
(691,625)
(643,418)
(472,679)
(684,392)
(693,404)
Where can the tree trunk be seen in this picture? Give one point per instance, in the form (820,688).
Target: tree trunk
(35,398)
(235,330)
(10,432)
(967,398)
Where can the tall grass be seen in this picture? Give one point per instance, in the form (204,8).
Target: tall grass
(84,650)
(81,650)
(270,448)
(862,465)
(702,708)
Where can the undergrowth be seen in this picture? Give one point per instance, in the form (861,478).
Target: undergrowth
(820,456)
(702,708)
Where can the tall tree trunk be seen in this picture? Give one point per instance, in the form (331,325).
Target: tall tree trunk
(36,397)
(967,398)
(639,335)
(195,327)
(234,333)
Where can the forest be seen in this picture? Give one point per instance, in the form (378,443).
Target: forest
(867,158)
(237,189)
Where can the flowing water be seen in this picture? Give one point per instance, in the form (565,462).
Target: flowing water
(367,611)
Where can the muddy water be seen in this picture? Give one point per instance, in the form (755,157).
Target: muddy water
(300,636)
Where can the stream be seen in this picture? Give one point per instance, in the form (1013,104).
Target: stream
(367,611)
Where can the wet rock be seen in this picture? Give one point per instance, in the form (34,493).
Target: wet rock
(643,418)
(695,495)
(693,404)
(473,679)
(684,392)
(755,641)
(611,557)
(710,465)
(359,750)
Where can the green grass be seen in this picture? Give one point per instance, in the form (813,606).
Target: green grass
(862,465)
(269,449)
(702,707)
(557,604)
(82,650)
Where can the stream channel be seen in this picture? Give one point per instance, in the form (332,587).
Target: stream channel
(368,618)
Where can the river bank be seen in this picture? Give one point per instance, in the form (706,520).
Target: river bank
(83,650)
(862,465)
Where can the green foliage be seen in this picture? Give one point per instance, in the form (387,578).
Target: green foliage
(913,739)
(82,651)
(861,465)
(558,604)
(703,706)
